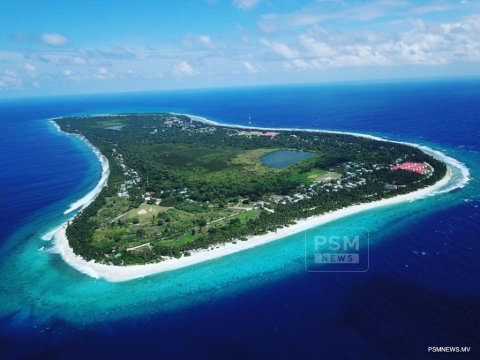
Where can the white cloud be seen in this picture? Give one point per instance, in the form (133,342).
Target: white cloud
(436,44)
(275,22)
(192,41)
(419,43)
(360,11)
(206,40)
(420,10)
(184,68)
(71,75)
(10,56)
(211,60)
(54,39)
(102,73)
(300,63)
(77,60)
(280,48)
(251,69)
(110,53)
(245,4)
(316,48)
(424,44)
(9,79)
(31,69)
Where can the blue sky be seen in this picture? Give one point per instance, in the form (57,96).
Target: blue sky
(70,47)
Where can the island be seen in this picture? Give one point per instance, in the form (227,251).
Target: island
(177,186)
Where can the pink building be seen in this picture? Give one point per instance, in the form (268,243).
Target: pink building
(270,134)
(419,168)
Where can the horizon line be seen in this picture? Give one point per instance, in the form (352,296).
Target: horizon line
(385,81)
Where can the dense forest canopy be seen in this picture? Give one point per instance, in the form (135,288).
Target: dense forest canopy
(177,185)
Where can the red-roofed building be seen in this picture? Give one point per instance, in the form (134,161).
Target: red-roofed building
(419,168)
(270,134)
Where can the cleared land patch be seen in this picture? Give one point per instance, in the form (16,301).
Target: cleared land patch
(318,175)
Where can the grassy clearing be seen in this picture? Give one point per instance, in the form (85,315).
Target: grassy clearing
(108,123)
(113,208)
(184,156)
(217,217)
(241,215)
(144,213)
(318,175)
(251,160)
(188,237)
(249,215)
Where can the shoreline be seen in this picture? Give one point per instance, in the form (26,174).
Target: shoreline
(88,198)
(115,273)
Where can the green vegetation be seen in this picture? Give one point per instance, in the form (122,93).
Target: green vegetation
(176,186)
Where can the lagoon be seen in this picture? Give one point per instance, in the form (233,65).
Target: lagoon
(281,159)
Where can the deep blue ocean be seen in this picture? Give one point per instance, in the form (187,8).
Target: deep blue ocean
(422,288)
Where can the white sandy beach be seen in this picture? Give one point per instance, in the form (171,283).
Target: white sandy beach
(124,273)
(87,199)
